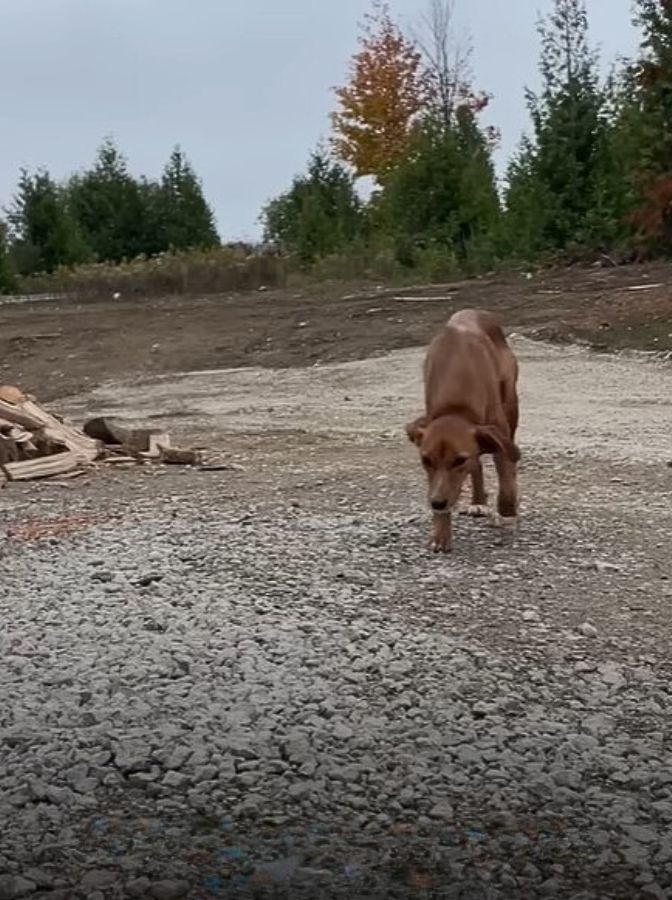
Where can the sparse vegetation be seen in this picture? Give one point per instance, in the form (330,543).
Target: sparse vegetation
(214,271)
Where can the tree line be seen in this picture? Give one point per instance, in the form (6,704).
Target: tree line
(592,176)
(103,214)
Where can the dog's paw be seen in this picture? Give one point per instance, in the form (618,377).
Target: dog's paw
(438,546)
(476,512)
(508,523)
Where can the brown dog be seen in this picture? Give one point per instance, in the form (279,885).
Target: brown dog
(471,408)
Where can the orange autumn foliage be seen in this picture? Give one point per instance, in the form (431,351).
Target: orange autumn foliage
(380,105)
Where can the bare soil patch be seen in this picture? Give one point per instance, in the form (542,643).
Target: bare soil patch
(55,349)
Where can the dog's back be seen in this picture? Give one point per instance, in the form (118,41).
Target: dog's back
(470,366)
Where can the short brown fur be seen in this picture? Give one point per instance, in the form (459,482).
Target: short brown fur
(471,408)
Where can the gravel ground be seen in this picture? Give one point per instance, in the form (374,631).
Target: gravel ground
(257,682)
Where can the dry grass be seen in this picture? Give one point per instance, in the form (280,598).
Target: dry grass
(194,273)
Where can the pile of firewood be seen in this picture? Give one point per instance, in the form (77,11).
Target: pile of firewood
(36,444)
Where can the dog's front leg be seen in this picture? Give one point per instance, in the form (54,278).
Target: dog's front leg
(479,499)
(441,540)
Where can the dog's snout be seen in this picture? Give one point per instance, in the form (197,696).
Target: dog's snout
(440,505)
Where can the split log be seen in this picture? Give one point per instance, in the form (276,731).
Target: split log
(173,457)
(43,467)
(11,394)
(47,427)
(157,444)
(133,440)
(15,442)
(122,460)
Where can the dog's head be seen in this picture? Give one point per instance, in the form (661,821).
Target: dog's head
(449,448)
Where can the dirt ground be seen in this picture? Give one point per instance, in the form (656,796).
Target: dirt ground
(55,349)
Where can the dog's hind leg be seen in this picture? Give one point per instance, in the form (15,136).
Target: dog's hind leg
(507,496)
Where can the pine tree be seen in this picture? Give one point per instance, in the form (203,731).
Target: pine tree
(645,128)
(7,277)
(552,182)
(320,214)
(45,234)
(186,220)
(110,207)
(442,197)
(652,81)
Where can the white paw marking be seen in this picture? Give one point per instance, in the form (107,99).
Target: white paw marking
(439,545)
(476,511)
(510,523)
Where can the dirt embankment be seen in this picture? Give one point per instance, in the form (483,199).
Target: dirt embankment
(55,349)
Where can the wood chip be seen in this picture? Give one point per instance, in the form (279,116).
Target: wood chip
(173,457)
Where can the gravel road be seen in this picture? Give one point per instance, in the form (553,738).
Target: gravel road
(257,683)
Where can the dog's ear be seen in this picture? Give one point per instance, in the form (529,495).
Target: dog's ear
(415,431)
(491,440)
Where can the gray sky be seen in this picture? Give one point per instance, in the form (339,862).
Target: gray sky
(244,87)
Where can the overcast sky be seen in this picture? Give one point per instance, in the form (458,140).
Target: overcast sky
(244,87)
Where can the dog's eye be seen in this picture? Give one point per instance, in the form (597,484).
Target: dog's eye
(427,462)
(459,461)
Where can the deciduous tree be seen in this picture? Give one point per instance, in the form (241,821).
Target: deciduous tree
(380,106)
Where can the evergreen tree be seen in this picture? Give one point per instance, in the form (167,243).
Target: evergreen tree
(45,234)
(443,195)
(185,219)
(110,207)
(645,128)
(652,83)
(552,182)
(7,278)
(320,213)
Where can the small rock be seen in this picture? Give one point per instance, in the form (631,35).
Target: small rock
(40,877)
(642,834)
(175,780)
(97,878)
(342,732)
(311,874)
(604,567)
(169,890)
(59,795)
(588,630)
(139,887)
(300,789)
(131,757)
(205,773)
(443,810)
(277,871)
(13,886)
(481,709)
